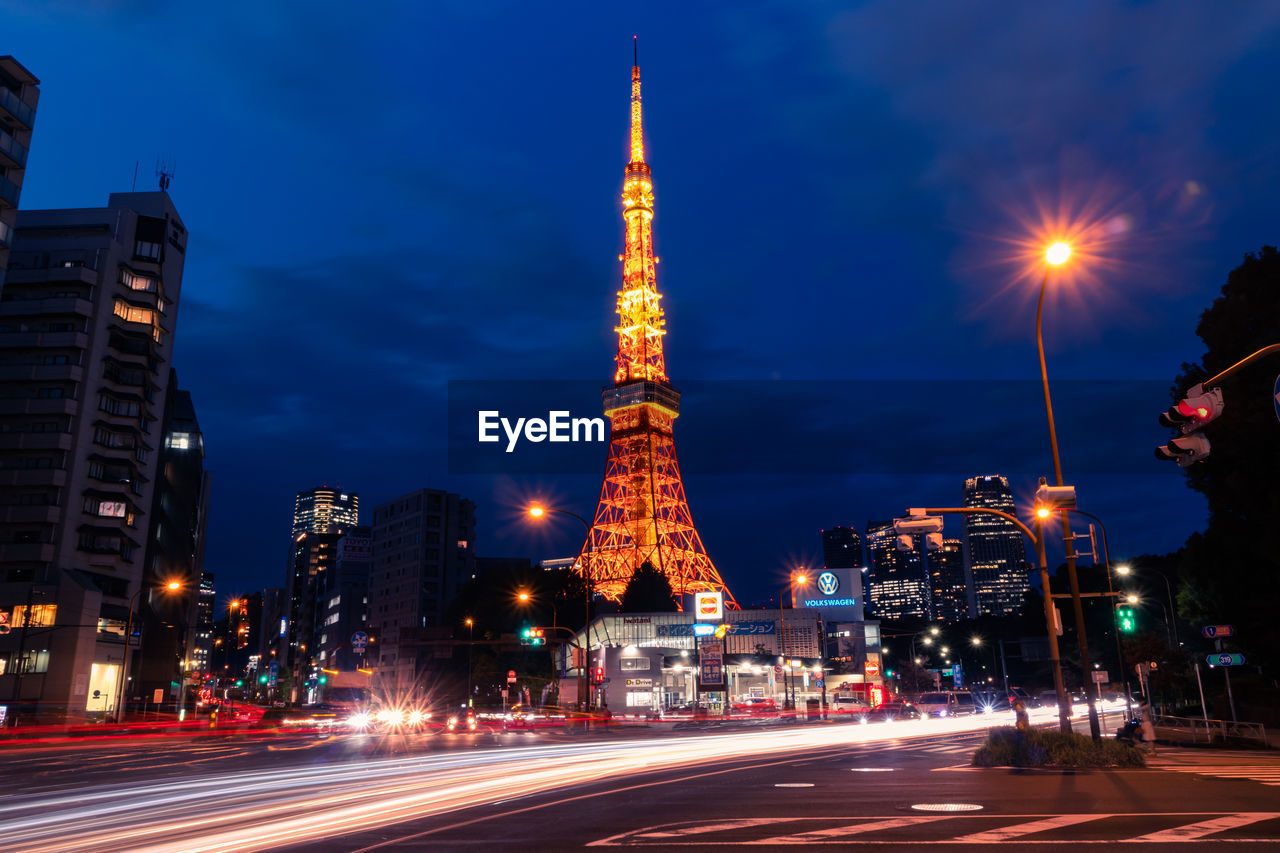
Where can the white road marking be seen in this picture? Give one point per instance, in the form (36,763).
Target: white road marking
(710,827)
(835,832)
(1020,829)
(1192,831)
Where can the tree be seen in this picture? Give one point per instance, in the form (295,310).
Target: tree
(648,591)
(1234,562)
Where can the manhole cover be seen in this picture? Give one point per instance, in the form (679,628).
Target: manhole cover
(947,807)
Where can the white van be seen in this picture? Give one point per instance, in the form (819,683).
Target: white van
(849,703)
(946,703)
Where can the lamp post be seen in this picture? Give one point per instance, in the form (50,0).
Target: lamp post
(1056,255)
(788,700)
(171,586)
(1122,570)
(471,637)
(584,694)
(1172,621)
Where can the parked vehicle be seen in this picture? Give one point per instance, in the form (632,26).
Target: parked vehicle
(755,706)
(849,703)
(948,703)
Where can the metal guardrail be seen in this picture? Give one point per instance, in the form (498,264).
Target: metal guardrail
(1211,730)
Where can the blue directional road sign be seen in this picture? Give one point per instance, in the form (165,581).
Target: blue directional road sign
(1224,660)
(1217,631)
(358,641)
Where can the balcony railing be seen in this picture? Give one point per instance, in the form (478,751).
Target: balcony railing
(6,235)
(13,149)
(23,113)
(9,191)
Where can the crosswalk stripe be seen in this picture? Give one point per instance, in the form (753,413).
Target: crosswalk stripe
(1192,831)
(1021,829)
(842,831)
(712,827)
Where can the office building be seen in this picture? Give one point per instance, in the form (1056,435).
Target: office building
(313,555)
(325,510)
(88,314)
(342,603)
(175,552)
(896,583)
(841,548)
(948,592)
(995,555)
(200,638)
(423,551)
(19,96)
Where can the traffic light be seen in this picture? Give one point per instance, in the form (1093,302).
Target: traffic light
(1126,620)
(597,675)
(1189,415)
(532,637)
(239,682)
(324,679)
(262,679)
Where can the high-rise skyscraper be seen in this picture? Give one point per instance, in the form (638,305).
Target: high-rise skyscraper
(423,551)
(87,322)
(995,555)
(949,594)
(321,509)
(896,583)
(643,515)
(19,96)
(841,548)
(342,596)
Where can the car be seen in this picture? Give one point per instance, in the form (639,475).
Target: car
(946,703)
(848,703)
(756,706)
(891,712)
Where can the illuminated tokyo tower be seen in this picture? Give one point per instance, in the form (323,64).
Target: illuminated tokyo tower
(643,515)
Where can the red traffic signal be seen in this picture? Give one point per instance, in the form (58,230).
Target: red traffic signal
(1190,414)
(597,675)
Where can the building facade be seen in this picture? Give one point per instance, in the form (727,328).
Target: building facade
(995,555)
(342,603)
(19,97)
(175,553)
(897,587)
(841,548)
(423,551)
(948,590)
(88,314)
(325,510)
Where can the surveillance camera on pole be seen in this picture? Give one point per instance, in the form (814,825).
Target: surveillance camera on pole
(933,541)
(1191,414)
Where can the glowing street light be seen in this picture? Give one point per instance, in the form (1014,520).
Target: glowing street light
(935,630)
(1123,569)
(977,641)
(1131,598)
(1057,254)
(536,511)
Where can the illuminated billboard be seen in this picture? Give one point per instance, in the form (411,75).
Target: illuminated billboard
(708,606)
(836,592)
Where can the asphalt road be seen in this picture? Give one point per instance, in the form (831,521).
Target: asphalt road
(550,790)
(892,794)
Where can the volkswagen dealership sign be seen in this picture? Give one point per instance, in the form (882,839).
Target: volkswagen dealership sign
(836,592)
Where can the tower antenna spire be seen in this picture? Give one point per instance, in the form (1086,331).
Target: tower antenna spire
(635,50)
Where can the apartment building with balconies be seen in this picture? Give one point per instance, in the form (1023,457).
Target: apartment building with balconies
(88,312)
(19,95)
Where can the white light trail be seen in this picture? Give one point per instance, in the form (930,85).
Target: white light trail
(261,809)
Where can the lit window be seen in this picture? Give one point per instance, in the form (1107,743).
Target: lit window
(42,615)
(178,441)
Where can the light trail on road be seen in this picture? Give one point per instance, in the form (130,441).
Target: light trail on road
(262,809)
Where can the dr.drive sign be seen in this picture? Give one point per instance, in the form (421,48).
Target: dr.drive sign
(836,591)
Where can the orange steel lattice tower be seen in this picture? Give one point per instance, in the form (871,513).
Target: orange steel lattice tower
(643,515)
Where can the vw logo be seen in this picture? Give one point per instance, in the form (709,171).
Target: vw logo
(828,583)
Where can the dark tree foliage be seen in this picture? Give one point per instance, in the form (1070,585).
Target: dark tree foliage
(1229,573)
(648,591)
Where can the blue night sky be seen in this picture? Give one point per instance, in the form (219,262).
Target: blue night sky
(386,197)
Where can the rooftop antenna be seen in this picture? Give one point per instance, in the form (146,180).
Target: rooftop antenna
(635,49)
(164,173)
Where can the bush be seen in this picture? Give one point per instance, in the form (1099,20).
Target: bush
(1008,747)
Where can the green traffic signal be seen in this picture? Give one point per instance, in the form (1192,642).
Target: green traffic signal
(262,679)
(1126,620)
(324,679)
(239,682)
